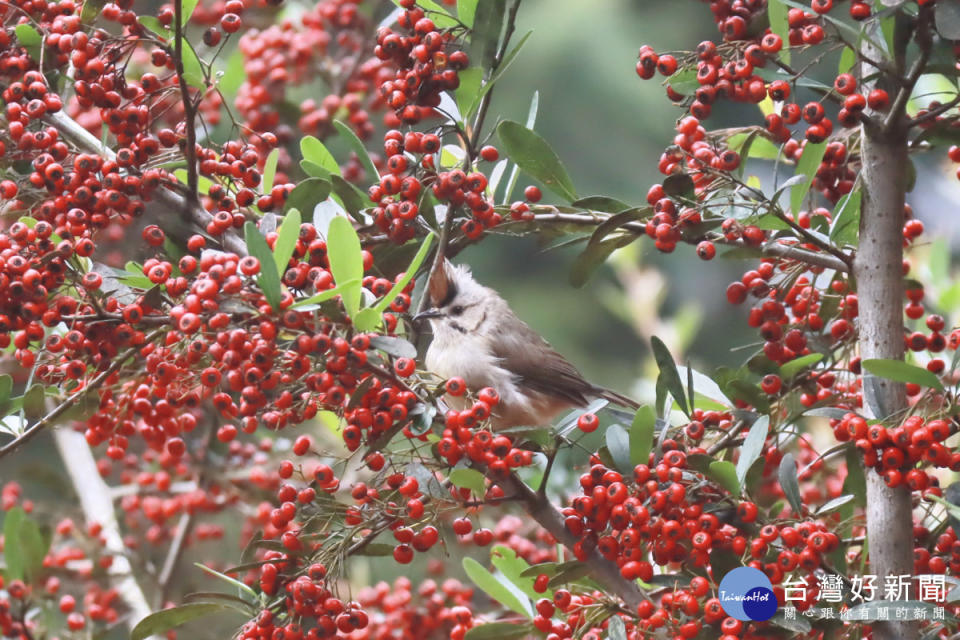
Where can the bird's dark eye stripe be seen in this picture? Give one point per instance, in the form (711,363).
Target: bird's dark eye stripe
(451,294)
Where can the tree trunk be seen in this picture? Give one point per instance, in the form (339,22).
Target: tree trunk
(880,295)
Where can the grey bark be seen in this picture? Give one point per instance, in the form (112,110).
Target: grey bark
(880,294)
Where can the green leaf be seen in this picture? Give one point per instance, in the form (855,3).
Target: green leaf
(795,366)
(407,277)
(394,346)
(513,568)
(186,10)
(269,170)
(496,588)
(668,373)
(356,145)
(33,548)
(705,386)
(268,280)
(314,170)
(367,319)
(535,157)
(752,447)
(469,479)
(313,302)
(835,504)
(6,385)
(594,255)
(501,69)
(287,237)
(642,430)
(192,67)
(618,442)
(947,18)
(900,371)
(33,404)
(233,581)
(233,76)
(485,34)
(466,10)
(500,631)
(203,183)
(616,630)
(466,94)
(315,151)
(779,24)
(806,166)
(307,195)
(600,203)
(12,557)
(153,23)
(160,622)
(346,261)
(846,219)
(724,473)
(787,475)
(353,199)
(848,58)
(30,39)
(753,145)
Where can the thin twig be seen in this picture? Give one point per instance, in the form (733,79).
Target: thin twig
(189,110)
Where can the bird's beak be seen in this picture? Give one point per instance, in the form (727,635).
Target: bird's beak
(429,313)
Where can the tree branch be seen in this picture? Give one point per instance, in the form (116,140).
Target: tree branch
(59,410)
(189,109)
(606,573)
(774,249)
(167,195)
(97,505)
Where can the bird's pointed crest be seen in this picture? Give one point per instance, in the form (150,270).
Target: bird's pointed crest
(442,286)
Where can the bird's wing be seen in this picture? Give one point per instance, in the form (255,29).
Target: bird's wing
(535,364)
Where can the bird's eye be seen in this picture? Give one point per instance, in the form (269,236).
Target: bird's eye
(457,310)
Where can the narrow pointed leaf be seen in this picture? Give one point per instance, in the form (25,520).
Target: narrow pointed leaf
(618,442)
(641,435)
(287,238)
(356,145)
(346,260)
(752,446)
(535,157)
(162,621)
(496,589)
(315,151)
(669,373)
(900,371)
(268,280)
(787,475)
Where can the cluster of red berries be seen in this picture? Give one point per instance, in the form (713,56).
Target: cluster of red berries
(895,452)
(401,190)
(427,60)
(283,57)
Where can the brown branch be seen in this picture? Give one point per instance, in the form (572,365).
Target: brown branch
(924,40)
(777,250)
(60,409)
(605,572)
(189,109)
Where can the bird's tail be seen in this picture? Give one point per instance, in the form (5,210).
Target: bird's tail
(617,398)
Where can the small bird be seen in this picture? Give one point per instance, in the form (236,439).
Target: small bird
(476,336)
